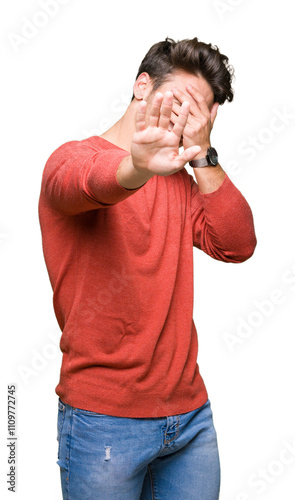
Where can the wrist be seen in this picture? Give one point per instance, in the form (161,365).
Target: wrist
(209,159)
(209,178)
(129,177)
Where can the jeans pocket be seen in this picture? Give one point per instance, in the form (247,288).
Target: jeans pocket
(60,422)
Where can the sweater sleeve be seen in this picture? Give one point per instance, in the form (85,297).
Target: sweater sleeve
(222,222)
(78,177)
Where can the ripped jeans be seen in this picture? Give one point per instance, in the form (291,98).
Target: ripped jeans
(102,457)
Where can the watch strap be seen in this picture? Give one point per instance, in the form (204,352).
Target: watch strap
(201,162)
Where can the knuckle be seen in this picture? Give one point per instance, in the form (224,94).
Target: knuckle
(190,131)
(197,127)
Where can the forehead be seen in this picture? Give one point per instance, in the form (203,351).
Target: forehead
(180,79)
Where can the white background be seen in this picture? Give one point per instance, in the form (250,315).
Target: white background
(72,78)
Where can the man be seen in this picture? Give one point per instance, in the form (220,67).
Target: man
(120,216)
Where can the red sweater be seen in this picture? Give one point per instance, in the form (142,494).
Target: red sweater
(120,263)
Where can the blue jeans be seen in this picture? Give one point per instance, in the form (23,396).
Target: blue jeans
(102,457)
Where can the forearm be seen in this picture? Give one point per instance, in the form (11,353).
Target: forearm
(78,178)
(209,178)
(223,223)
(129,177)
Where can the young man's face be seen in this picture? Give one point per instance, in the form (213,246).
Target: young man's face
(179,80)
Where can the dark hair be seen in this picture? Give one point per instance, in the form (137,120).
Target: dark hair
(192,56)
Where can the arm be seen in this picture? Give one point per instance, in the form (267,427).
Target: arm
(129,176)
(197,131)
(222,222)
(78,178)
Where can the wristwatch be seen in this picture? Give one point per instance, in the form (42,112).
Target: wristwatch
(211,159)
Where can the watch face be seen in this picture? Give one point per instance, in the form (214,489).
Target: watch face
(213,156)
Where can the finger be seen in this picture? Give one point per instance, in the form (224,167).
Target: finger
(199,99)
(214,112)
(176,112)
(181,97)
(155,109)
(181,120)
(165,111)
(176,108)
(188,155)
(140,123)
(173,117)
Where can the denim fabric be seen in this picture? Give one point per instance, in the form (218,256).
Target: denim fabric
(116,458)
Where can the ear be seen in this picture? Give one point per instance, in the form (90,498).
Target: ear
(142,86)
(214,112)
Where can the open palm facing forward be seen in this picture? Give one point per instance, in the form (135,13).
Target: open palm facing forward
(154,147)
